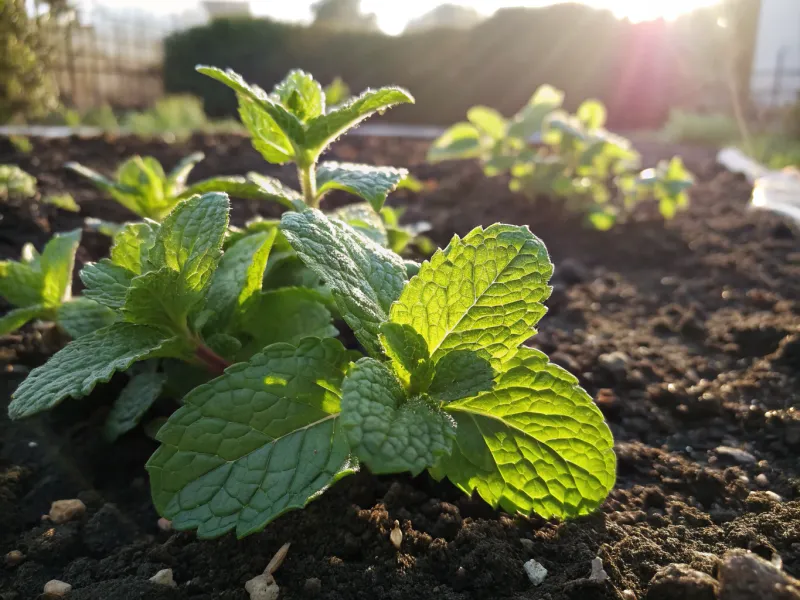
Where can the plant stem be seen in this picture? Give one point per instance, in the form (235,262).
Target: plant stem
(211,360)
(308,184)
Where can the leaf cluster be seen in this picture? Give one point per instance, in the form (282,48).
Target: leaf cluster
(575,158)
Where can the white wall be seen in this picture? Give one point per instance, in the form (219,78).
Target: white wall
(778,35)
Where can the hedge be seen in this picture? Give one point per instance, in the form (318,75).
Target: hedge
(639,70)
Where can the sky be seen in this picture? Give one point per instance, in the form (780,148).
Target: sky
(393,15)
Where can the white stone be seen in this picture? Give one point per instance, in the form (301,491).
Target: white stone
(57,588)
(164,577)
(598,574)
(262,587)
(535,572)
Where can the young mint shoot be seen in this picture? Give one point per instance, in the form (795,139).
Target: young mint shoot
(39,286)
(143,187)
(445,386)
(574,158)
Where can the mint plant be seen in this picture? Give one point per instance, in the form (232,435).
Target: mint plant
(444,385)
(14,182)
(576,158)
(143,187)
(39,286)
(295,124)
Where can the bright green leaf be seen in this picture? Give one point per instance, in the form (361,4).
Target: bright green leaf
(254,443)
(483,293)
(75,369)
(488,121)
(460,141)
(365,278)
(322,130)
(592,114)
(535,443)
(408,352)
(371,183)
(56,263)
(62,201)
(301,94)
(132,245)
(189,240)
(388,432)
(238,277)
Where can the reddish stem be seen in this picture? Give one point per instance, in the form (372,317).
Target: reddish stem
(212,361)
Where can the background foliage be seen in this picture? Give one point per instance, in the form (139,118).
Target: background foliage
(639,70)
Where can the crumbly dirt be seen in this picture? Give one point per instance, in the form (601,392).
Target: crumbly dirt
(686,333)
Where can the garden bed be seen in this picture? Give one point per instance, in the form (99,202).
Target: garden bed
(687,334)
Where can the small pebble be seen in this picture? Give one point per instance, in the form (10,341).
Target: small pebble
(164,577)
(735,454)
(62,511)
(598,574)
(535,572)
(762,480)
(396,536)
(527,544)
(164,524)
(56,588)
(262,587)
(628,595)
(14,557)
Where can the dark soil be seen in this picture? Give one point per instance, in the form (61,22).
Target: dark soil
(686,333)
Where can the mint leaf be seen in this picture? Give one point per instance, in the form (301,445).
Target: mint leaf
(106,283)
(56,263)
(284,315)
(385,430)
(265,135)
(461,374)
(271,109)
(254,443)
(17,317)
(535,443)
(373,184)
(252,187)
(160,298)
(176,180)
(133,402)
(483,293)
(75,369)
(301,95)
(238,277)
(592,114)
(488,121)
(322,130)
(364,278)
(408,352)
(531,119)
(21,282)
(462,140)
(132,245)
(189,241)
(81,316)
(363,218)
